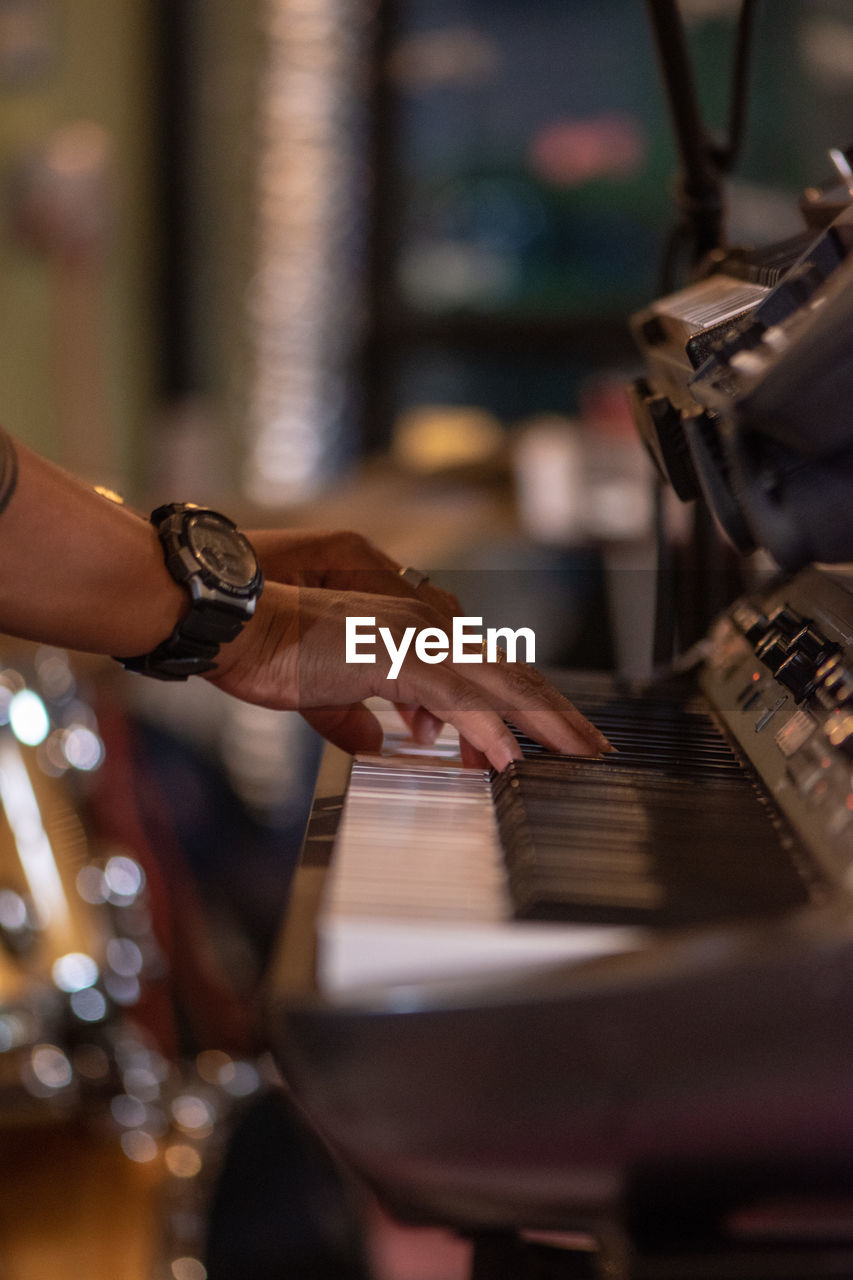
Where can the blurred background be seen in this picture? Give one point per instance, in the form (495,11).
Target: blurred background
(353,263)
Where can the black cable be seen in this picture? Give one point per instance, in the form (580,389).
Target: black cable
(703,160)
(676,257)
(664,638)
(700,195)
(740,84)
(698,229)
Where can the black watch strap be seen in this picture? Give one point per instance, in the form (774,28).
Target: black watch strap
(191,649)
(194,644)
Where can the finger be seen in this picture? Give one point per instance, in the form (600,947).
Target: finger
(443,601)
(406,713)
(450,697)
(387,582)
(352,728)
(425,726)
(486,737)
(526,698)
(471,757)
(520,694)
(422,724)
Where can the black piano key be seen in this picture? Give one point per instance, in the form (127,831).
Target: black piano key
(672,831)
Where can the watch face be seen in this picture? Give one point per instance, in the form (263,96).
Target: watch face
(221,549)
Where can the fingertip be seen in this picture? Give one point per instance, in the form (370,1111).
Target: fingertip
(602,744)
(503,754)
(502,766)
(406,712)
(425,727)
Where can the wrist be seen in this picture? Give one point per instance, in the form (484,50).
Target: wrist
(160,602)
(295,556)
(262,663)
(216,568)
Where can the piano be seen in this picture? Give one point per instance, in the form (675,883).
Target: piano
(611,1000)
(546,1000)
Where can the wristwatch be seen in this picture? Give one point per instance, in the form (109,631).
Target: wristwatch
(206,553)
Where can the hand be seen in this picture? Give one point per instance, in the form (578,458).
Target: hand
(341,560)
(292,656)
(346,561)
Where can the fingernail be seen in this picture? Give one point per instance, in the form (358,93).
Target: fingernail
(505,758)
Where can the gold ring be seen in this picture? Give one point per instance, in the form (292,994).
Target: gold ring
(500,654)
(414,577)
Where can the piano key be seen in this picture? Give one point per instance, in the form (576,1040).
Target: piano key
(594,851)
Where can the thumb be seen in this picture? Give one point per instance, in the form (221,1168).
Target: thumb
(351,728)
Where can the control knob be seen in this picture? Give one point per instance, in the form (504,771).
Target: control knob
(807,652)
(813,645)
(835,683)
(786,621)
(773,651)
(838,728)
(751,621)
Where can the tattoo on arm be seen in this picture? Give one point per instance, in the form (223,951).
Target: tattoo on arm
(8,469)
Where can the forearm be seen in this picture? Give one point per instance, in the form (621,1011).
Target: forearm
(79,571)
